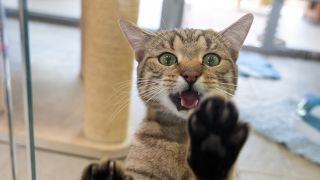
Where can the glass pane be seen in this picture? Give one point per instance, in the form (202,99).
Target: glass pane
(83,78)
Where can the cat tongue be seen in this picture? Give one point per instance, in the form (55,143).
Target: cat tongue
(189,99)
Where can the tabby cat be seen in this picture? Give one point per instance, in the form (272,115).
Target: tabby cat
(186,78)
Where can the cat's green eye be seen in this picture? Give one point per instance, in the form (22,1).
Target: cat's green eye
(167,59)
(211,59)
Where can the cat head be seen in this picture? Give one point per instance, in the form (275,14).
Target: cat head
(177,68)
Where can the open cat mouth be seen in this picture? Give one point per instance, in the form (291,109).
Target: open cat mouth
(185,100)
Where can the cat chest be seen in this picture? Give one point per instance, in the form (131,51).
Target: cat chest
(164,160)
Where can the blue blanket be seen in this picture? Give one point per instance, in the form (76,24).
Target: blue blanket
(278,122)
(252,64)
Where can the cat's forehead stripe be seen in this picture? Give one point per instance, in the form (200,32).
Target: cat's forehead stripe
(177,43)
(168,45)
(199,35)
(171,40)
(166,38)
(177,34)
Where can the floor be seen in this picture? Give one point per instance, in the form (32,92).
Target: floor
(298,77)
(50,166)
(259,160)
(55,64)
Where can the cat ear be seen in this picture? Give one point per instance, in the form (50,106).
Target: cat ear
(237,33)
(135,36)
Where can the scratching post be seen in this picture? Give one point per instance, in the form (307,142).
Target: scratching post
(107,61)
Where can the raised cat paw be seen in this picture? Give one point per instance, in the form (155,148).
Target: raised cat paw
(216,138)
(104,171)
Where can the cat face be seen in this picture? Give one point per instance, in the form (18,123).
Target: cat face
(178,68)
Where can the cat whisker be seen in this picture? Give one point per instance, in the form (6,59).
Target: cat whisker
(153,89)
(118,97)
(224,91)
(157,97)
(121,99)
(147,95)
(114,115)
(130,84)
(226,88)
(126,103)
(156,94)
(124,90)
(228,84)
(222,76)
(226,78)
(131,80)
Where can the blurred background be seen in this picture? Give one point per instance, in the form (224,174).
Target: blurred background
(85,103)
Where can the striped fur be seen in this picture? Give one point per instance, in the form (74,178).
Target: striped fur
(189,45)
(160,147)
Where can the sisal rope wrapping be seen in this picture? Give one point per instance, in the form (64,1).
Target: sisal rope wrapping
(106,61)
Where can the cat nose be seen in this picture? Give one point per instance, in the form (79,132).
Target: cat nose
(190,76)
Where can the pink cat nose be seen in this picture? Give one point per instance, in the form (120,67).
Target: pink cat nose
(190,76)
